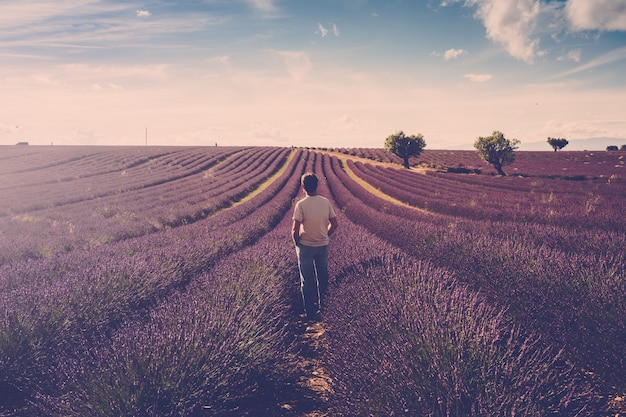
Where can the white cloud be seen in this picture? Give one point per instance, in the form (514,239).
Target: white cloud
(517,24)
(511,23)
(322,30)
(81,24)
(16,14)
(453,53)
(573,55)
(478,78)
(605,15)
(605,59)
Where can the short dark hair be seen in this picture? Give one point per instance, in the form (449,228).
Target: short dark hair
(309,181)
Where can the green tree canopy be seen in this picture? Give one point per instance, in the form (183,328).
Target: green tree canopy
(557,143)
(496,150)
(405,146)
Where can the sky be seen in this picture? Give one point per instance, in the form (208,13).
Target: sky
(318,73)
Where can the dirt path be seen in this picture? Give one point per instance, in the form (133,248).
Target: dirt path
(309,392)
(314,378)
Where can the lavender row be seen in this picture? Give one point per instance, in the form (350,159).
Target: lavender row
(433,226)
(562,197)
(406,339)
(75,159)
(571,164)
(198,195)
(606,189)
(72,189)
(86,162)
(220,347)
(569,204)
(50,306)
(567,239)
(572,299)
(169,169)
(530,184)
(42,272)
(144,176)
(91,223)
(563,164)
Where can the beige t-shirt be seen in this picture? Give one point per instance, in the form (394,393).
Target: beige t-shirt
(313,213)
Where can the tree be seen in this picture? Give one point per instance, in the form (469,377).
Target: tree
(612,148)
(405,146)
(496,150)
(557,143)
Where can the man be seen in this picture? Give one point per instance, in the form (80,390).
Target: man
(314,221)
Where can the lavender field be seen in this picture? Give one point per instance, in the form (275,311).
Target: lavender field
(162,281)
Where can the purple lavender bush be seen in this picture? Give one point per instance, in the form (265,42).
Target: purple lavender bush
(408,339)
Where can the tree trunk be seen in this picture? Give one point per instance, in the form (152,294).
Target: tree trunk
(406,162)
(498,168)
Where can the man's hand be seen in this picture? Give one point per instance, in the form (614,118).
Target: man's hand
(332,226)
(295,232)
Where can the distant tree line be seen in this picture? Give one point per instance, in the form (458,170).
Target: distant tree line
(560,143)
(495,149)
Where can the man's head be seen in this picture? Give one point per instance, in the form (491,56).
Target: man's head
(309,183)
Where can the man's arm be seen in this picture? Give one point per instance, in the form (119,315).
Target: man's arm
(332,226)
(295,232)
